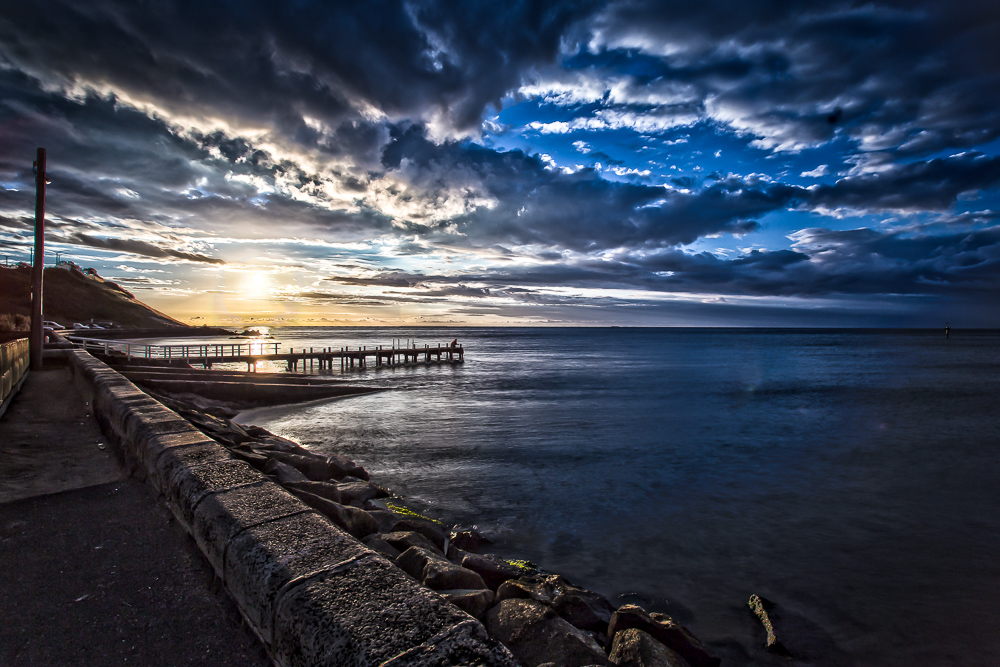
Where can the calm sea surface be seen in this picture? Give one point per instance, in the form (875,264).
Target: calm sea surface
(851,477)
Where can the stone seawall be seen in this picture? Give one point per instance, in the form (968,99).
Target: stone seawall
(311,592)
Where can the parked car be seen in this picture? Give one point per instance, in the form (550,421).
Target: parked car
(53,325)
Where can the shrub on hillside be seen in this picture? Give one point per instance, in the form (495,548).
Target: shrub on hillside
(14,322)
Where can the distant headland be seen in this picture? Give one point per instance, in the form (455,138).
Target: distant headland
(75,295)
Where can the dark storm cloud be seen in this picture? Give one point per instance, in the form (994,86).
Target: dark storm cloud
(110,161)
(279,61)
(917,77)
(580,211)
(584,212)
(279,120)
(931,185)
(394,279)
(824,263)
(137,247)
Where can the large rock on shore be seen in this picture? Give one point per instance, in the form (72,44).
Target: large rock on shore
(345,467)
(284,473)
(536,635)
(313,466)
(375,541)
(326,490)
(353,520)
(432,530)
(404,539)
(665,630)
(474,602)
(493,569)
(584,609)
(468,540)
(436,572)
(635,648)
(359,492)
(386,519)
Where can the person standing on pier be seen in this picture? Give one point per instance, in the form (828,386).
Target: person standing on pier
(454,343)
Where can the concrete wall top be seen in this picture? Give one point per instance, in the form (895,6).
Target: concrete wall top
(312,593)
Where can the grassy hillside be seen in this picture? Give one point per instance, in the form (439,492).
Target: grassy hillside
(70,295)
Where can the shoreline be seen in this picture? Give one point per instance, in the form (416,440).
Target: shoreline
(531,615)
(514,598)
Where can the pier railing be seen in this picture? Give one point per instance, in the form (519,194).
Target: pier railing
(206,354)
(132,350)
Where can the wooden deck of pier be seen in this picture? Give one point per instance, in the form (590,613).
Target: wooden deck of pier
(208,354)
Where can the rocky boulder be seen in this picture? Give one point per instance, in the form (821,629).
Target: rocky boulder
(582,608)
(276,443)
(360,492)
(493,569)
(432,530)
(404,539)
(284,473)
(535,634)
(472,601)
(635,648)
(375,541)
(665,630)
(312,466)
(386,520)
(436,572)
(353,520)
(468,540)
(344,467)
(326,490)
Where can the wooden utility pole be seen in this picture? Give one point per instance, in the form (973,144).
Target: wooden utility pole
(36,344)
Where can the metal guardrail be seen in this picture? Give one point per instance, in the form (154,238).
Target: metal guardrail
(220,351)
(14,359)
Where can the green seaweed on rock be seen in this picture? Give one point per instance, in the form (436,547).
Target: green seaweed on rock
(406,511)
(525,565)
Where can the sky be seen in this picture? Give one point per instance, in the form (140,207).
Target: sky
(647,163)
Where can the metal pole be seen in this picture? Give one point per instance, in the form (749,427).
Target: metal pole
(38,261)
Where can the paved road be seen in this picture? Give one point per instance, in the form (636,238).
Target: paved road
(95,569)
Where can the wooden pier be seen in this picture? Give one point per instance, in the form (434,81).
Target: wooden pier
(326,358)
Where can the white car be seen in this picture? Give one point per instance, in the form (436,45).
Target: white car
(53,325)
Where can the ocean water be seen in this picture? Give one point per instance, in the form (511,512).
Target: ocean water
(850,477)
